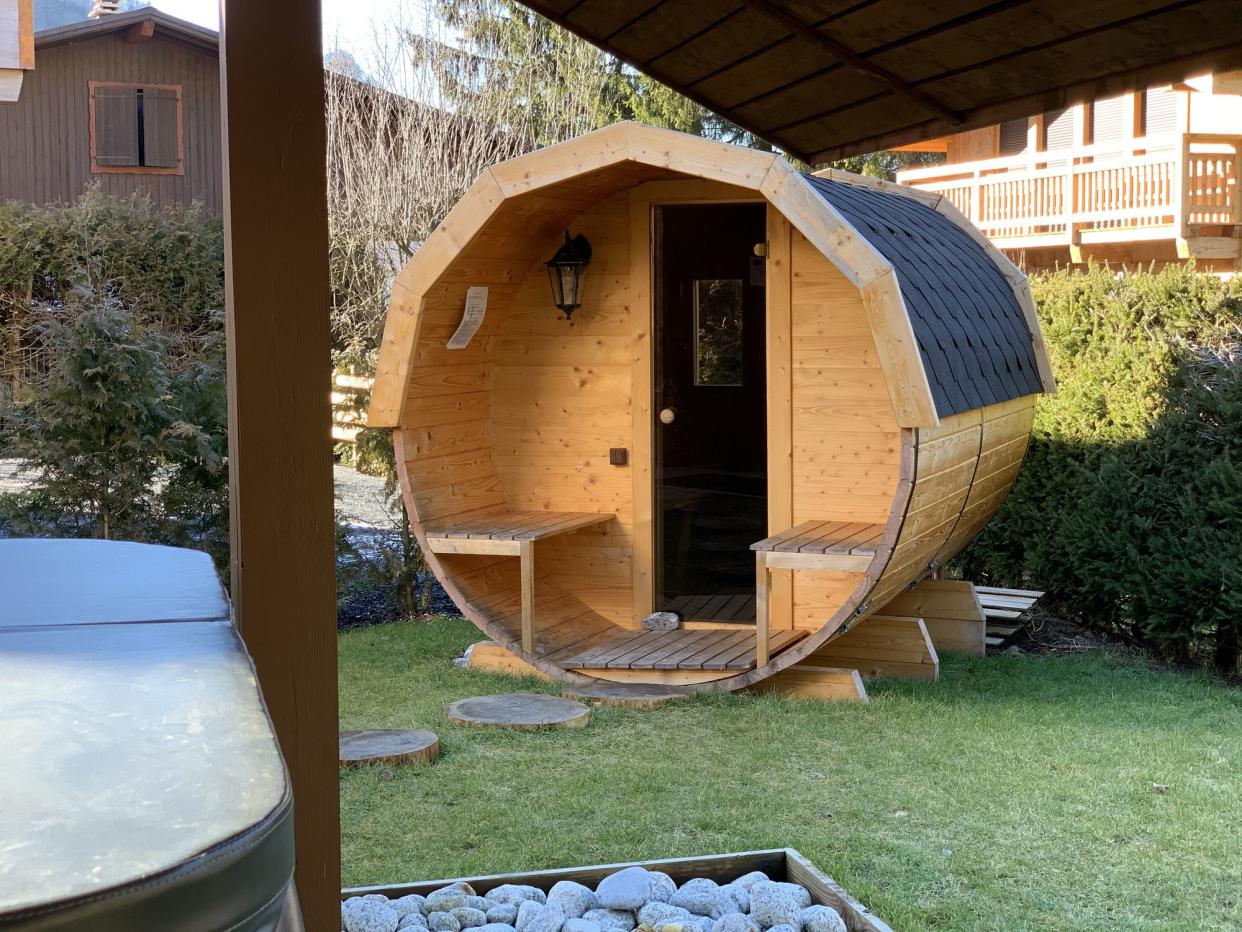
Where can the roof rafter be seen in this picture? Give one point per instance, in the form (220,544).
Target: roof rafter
(854,60)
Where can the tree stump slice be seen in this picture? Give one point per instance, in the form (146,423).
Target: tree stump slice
(388,746)
(627,695)
(526,711)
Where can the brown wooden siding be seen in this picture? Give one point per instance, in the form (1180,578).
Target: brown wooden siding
(45,138)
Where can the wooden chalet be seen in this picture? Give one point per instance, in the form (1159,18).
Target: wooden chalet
(1130,179)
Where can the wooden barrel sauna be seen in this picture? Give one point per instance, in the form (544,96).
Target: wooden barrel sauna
(842,367)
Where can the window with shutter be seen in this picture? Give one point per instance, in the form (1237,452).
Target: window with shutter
(135,128)
(1108,119)
(1159,111)
(114,119)
(1013,137)
(1059,129)
(161,127)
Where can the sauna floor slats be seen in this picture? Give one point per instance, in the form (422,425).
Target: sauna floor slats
(683,649)
(739,608)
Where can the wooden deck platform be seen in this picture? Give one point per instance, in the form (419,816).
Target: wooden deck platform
(713,649)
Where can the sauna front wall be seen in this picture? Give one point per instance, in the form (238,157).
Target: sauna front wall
(525,416)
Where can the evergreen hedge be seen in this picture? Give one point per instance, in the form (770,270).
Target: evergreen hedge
(122,426)
(1128,509)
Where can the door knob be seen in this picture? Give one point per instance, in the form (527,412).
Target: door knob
(668,415)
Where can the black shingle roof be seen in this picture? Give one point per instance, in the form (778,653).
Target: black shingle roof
(975,343)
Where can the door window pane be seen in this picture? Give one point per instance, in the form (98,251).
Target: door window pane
(718,331)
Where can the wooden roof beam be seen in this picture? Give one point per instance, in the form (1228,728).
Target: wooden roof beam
(854,60)
(140,32)
(1224,58)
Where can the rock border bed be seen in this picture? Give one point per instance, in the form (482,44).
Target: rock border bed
(776,890)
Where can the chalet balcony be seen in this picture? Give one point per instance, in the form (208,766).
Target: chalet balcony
(1180,188)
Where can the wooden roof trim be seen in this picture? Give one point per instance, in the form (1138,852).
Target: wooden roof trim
(860,262)
(764,172)
(1018,282)
(853,60)
(392,371)
(170,26)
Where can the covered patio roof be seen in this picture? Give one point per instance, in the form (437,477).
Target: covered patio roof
(822,79)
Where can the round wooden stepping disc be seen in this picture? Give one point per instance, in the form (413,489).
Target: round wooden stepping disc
(629,695)
(388,746)
(519,710)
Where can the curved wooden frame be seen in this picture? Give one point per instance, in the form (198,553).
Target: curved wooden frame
(764,173)
(952,473)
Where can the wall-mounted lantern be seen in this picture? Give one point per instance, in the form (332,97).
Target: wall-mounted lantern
(567,273)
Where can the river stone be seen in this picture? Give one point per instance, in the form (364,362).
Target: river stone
(782,928)
(822,919)
(662,887)
(408,905)
(620,920)
(700,896)
(775,904)
(443,922)
(735,922)
(662,621)
(526,909)
(746,881)
(497,927)
(514,894)
(503,914)
(573,899)
(574,924)
(739,895)
(443,901)
(362,914)
(541,919)
(468,917)
(477,902)
(693,924)
(626,889)
(654,913)
(413,921)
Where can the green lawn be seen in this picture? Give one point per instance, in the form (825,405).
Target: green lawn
(1016,793)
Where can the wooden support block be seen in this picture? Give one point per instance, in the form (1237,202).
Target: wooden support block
(950,610)
(883,645)
(490,657)
(806,681)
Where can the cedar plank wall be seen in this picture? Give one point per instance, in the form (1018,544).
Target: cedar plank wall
(963,470)
(44,138)
(561,397)
(846,442)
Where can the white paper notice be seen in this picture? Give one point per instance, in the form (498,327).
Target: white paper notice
(476,307)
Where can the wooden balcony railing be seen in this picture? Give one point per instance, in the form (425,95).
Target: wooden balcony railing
(1158,187)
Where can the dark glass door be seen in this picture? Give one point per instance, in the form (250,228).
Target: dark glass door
(710,400)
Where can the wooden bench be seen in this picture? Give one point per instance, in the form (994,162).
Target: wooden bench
(845,546)
(513,534)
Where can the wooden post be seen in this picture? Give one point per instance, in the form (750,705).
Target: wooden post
(763,580)
(279,365)
(526,556)
(779,351)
